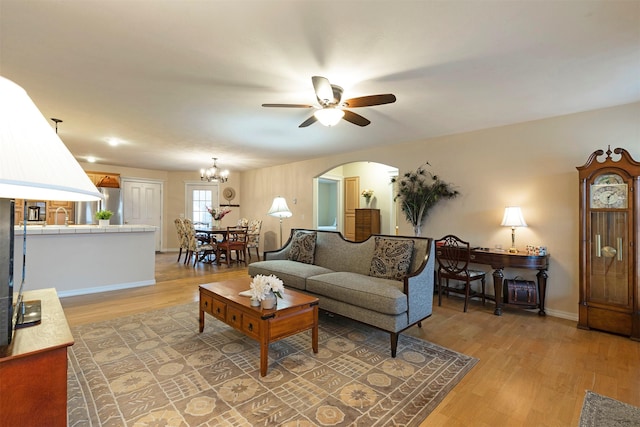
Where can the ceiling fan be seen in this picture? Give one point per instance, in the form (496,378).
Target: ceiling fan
(333,108)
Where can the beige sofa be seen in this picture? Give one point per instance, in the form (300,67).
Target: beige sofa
(385,281)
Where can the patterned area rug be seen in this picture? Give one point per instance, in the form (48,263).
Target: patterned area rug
(156,369)
(602,411)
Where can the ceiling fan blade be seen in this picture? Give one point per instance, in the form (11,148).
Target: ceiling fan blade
(354,118)
(368,101)
(324,91)
(311,120)
(288,105)
(337,94)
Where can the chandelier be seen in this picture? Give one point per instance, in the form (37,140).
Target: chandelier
(214,174)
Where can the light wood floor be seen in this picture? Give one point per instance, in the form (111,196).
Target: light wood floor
(532,371)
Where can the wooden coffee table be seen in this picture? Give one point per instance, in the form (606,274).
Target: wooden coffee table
(294,313)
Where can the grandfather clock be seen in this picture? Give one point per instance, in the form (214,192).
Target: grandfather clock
(609,236)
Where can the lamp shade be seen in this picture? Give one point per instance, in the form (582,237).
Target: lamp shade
(329,116)
(34,162)
(279,208)
(513,217)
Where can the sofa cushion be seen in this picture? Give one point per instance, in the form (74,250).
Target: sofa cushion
(303,247)
(292,273)
(391,258)
(381,295)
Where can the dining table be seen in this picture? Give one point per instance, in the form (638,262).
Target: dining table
(213,231)
(215,235)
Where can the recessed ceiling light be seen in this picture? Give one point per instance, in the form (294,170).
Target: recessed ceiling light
(91,159)
(114,142)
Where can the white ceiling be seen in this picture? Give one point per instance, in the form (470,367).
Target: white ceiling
(183,81)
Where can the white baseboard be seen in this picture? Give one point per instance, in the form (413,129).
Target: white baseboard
(107,288)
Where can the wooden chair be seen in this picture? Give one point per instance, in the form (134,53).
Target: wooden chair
(253,237)
(236,241)
(195,247)
(454,255)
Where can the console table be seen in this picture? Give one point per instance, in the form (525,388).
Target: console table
(33,370)
(499,260)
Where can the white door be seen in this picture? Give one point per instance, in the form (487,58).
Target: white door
(198,197)
(142,204)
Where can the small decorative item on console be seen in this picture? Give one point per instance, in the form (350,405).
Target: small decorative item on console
(536,250)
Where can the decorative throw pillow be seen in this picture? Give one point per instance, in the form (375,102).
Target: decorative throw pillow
(391,258)
(303,247)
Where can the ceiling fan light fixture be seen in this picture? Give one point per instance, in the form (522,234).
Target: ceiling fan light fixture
(329,116)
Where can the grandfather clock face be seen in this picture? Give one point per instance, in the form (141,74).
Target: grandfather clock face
(609,257)
(609,191)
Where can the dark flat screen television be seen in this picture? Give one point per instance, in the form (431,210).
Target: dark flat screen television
(21,313)
(8,317)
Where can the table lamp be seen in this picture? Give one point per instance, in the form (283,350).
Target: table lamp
(34,165)
(513,218)
(280,210)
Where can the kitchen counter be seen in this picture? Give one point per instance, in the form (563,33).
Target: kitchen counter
(81,229)
(83,259)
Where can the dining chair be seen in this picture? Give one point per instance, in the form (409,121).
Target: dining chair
(236,241)
(182,238)
(196,248)
(242,222)
(454,256)
(253,237)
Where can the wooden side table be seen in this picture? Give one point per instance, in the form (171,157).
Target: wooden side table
(33,370)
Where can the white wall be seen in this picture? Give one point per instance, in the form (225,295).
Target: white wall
(530,164)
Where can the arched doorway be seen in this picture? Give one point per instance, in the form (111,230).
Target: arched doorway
(329,195)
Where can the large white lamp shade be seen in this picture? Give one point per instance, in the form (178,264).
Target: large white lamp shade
(34,165)
(34,162)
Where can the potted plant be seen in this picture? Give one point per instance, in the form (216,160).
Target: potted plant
(418,192)
(103,217)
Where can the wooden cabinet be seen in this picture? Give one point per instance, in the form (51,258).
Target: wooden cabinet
(33,389)
(51,211)
(104,179)
(38,216)
(609,237)
(367,223)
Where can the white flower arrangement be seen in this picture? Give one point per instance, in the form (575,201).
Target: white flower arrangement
(367,194)
(261,285)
